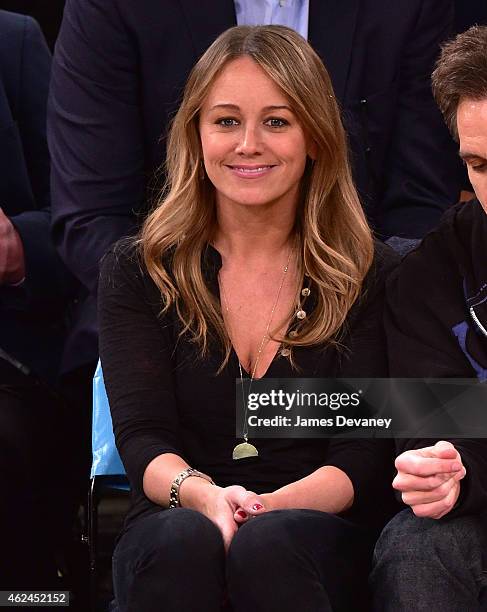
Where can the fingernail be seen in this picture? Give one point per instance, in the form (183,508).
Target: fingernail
(242,514)
(257,507)
(456,466)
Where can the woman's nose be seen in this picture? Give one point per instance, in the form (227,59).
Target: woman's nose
(250,142)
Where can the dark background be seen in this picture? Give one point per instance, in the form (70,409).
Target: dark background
(47,12)
(468,12)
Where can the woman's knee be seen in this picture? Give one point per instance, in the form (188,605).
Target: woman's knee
(260,560)
(262,540)
(302,539)
(306,558)
(163,557)
(283,534)
(178,536)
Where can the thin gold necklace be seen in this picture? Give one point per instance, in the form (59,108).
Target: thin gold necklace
(245,449)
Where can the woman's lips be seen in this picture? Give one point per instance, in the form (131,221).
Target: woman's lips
(251,172)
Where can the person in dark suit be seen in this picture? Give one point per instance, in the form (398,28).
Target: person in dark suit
(118,73)
(33,290)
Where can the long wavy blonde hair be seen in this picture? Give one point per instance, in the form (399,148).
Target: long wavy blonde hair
(335,245)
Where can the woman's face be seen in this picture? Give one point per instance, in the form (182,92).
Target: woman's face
(254,148)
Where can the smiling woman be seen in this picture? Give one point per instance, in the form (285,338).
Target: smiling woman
(257,261)
(254,151)
(259,95)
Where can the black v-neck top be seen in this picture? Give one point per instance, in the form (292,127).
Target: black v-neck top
(165,398)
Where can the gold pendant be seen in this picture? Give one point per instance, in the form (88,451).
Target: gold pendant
(244,450)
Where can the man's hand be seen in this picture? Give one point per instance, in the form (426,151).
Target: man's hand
(429,479)
(12,262)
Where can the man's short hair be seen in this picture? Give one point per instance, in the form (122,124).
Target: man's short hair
(461,72)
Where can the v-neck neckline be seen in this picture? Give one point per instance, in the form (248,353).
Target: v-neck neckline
(246,372)
(212,264)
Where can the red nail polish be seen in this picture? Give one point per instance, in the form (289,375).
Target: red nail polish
(257,506)
(242,514)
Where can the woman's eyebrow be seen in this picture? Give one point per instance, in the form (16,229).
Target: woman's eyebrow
(224,105)
(278,107)
(265,109)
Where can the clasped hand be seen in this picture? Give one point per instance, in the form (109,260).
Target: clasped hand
(229,507)
(12,264)
(429,479)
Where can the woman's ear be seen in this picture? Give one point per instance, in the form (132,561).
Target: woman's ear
(312,150)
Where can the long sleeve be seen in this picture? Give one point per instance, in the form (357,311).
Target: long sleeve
(95,136)
(424,299)
(136,346)
(369,463)
(422,176)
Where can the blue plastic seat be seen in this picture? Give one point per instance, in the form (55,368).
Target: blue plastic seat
(106,460)
(107,471)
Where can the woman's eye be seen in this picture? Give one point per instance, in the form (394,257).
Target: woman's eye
(227,122)
(276,122)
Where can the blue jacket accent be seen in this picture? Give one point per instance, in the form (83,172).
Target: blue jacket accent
(460,331)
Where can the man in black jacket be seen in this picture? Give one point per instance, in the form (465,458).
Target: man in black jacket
(437,327)
(34,287)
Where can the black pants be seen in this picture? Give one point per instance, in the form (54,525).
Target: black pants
(283,560)
(28,481)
